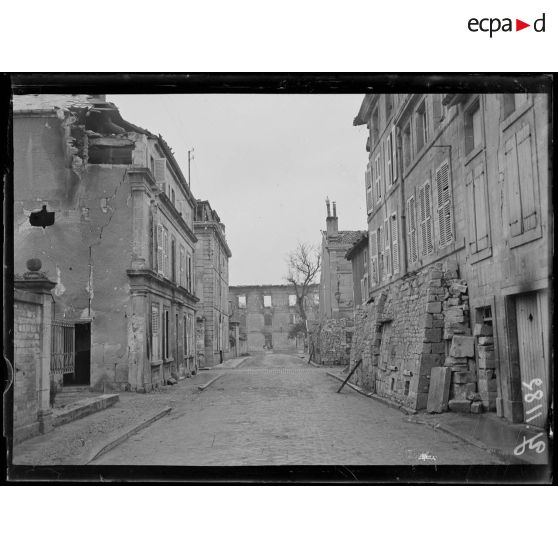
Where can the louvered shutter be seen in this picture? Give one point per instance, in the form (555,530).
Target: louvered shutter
(368,185)
(395,243)
(374,256)
(394,165)
(480,210)
(428,217)
(381,264)
(181,273)
(422,219)
(160,248)
(165,252)
(526,182)
(389,163)
(387,248)
(412,229)
(445,213)
(160,168)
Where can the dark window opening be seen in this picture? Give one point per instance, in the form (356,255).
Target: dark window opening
(407,384)
(421,127)
(473,127)
(407,157)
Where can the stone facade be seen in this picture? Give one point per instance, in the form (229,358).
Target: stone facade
(458,185)
(267,313)
(331,337)
(212,284)
(121,237)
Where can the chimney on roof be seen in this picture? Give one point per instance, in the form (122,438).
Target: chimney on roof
(328,210)
(331,222)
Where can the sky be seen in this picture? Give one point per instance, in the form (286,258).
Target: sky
(266,163)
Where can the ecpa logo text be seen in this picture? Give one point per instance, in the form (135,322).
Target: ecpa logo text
(494,24)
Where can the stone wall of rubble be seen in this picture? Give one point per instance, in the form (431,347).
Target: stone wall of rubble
(332,341)
(414,325)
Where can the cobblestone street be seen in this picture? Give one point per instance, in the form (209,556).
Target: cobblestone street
(277,410)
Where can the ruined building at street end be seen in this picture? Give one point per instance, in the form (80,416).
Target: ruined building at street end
(212,285)
(458,263)
(332,334)
(121,245)
(264,317)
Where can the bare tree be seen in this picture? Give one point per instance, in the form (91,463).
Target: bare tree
(303,268)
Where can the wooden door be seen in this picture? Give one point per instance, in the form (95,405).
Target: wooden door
(532,333)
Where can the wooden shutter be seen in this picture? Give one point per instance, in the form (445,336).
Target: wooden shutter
(526,182)
(512,187)
(381,264)
(165,252)
(155,331)
(368,185)
(389,163)
(387,247)
(374,256)
(395,243)
(445,212)
(428,217)
(160,248)
(412,229)
(469,188)
(394,165)
(181,271)
(160,170)
(480,212)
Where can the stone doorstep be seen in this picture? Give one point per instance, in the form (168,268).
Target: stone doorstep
(82,408)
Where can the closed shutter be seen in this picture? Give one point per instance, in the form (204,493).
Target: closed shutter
(374,257)
(165,252)
(159,248)
(395,243)
(412,229)
(469,188)
(428,217)
(160,168)
(389,163)
(445,212)
(387,247)
(394,164)
(526,182)
(381,263)
(181,273)
(377,178)
(512,187)
(480,208)
(368,184)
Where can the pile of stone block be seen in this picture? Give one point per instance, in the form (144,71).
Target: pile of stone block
(487,385)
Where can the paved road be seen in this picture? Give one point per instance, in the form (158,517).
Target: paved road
(277,410)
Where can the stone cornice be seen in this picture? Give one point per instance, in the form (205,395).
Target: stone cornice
(219,233)
(147,281)
(177,216)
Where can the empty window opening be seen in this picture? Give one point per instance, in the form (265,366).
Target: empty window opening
(407,145)
(421,127)
(267,301)
(407,384)
(242,301)
(292,300)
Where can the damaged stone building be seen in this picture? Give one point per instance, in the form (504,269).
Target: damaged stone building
(457,190)
(332,334)
(120,246)
(212,285)
(265,315)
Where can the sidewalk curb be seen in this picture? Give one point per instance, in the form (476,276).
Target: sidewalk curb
(236,364)
(375,397)
(207,384)
(509,457)
(123,434)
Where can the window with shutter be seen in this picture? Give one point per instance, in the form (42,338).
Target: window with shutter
(512,187)
(428,214)
(444,207)
(368,184)
(393,154)
(374,257)
(412,230)
(155,343)
(526,182)
(165,252)
(387,248)
(394,243)
(181,279)
(160,168)
(480,210)
(381,266)
(377,178)
(389,163)
(160,248)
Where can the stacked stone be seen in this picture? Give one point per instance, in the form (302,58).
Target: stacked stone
(363,340)
(334,349)
(487,385)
